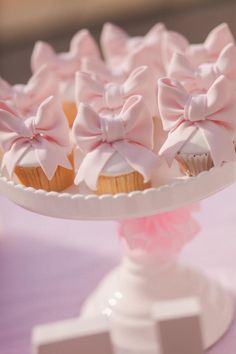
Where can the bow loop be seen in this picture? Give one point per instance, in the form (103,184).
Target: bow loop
(226,63)
(218,39)
(51,122)
(172,98)
(84,45)
(195,108)
(113,95)
(42,54)
(113,41)
(99,70)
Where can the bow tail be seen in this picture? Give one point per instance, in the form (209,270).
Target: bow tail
(50,156)
(93,164)
(13,156)
(138,157)
(220,142)
(176,140)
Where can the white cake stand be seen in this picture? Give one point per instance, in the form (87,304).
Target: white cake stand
(129,292)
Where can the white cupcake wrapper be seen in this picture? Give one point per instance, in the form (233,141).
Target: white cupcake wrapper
(193,164)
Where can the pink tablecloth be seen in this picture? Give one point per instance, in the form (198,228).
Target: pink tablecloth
(47,265)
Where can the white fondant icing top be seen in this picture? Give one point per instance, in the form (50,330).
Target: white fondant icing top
(197,144)
(116,166)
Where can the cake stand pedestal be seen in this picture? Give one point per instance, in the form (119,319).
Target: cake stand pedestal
(143,279)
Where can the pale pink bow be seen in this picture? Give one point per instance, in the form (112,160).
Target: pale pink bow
(46,134)
(202,77)
(126,52)
(98,69)
(101,136)
(212,113)
(198,54)
(24,98)
(112,95)
(65,64)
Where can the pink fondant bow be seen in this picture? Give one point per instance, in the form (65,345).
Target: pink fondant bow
(24,98)
(120,50)
(65,64)
(201,78)
(212,113)
(198,54)
(112,96)
(129,134)
(46,134)
(100,71)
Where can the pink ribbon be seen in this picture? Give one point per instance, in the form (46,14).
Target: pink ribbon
(212,113)
(112,95)
(65,64)
(46,133)
(101,136)
(120,50)
(201,78)
(23,98)
(198,54)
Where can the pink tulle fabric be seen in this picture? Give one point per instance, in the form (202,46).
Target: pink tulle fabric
(165,233)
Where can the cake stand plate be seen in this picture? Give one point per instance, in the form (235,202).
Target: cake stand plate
(173,193)
(128,294)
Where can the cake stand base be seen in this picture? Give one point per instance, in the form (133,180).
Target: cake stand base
(128,293)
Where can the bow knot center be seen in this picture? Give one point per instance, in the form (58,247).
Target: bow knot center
(113,95)
(30,132)
(195,109)
(112,129)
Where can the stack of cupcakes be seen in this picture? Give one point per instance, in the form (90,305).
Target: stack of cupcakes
(82,119)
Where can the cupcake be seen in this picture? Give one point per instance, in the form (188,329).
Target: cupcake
(201,127)
(111,96)
(206,52)
(65,65)
(197,79)
(24,98)
(37,148)
(117,148)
